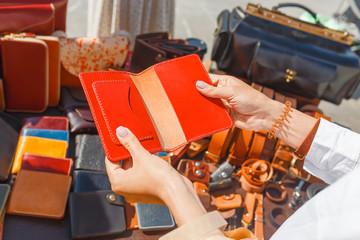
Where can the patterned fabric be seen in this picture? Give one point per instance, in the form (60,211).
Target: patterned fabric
(93,53)
(135,16)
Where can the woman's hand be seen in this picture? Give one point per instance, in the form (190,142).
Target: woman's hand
(151,179)
(248,108)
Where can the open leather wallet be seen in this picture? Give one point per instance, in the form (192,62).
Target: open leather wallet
(160,105)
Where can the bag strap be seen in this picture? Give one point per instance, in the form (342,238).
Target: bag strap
(312,13)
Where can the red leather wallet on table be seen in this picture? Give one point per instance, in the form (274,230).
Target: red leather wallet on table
(160,105)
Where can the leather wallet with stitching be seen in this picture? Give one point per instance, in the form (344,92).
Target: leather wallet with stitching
(39,194)
(89,153)
(99,213)
(47,122)
(160,105)
(42,163)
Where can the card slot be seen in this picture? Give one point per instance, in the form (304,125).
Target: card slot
(117,94)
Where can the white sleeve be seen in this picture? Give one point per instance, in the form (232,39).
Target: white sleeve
(334,152)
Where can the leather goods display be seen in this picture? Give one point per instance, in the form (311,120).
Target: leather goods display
(89,153)
(59,6)
(152,217)
(45,194)
(35,18)
(286,54)
(87,54)
(227,202)
(161,117)
(41,163)
(2,95)
(46,133)
(36,145)
(90,181)
(25,90)
(73,102)
(8,140)
(152,48)
(47,122)
(95,214)
(197,171)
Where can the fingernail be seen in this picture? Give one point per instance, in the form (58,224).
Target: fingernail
(200,84)
(122,132)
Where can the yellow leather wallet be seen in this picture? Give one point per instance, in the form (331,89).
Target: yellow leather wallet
(38,145)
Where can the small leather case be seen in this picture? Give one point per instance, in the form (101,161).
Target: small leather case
(47,122)
(74,103)
(2,96)
(197,147)
(8,140)
(220,185)
(39,194)
(203,192)
(42,163)
(89,153)
(26,90)
(46,133)
(4,194)
(95,214)
(36,145)
(227,202)
(222,172)
(90,181)
(197,171)
(152,107)
(153,217)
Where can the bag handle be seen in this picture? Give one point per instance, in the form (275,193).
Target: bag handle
(312,13)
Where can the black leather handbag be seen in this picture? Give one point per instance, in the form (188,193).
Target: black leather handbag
(286,54)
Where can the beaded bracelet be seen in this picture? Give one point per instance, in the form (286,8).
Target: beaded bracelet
(278,122)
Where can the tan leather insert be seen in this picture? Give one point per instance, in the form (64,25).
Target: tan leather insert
(159,108)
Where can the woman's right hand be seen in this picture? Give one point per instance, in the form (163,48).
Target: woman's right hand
(248,108)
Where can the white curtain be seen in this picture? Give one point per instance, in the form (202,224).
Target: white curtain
(134,16)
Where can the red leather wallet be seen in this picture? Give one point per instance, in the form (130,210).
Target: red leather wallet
(42,163)
(160,105)
(47,122)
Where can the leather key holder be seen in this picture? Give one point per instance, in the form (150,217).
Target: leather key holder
(197,172)
(255,174)
(227,202)
(152,107)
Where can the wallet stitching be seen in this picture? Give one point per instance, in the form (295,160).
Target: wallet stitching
(105,117)
(153,149)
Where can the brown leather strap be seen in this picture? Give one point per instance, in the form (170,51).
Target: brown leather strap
(203,193)
(219,145)
(275,192)
(240,147)
(257,145)
(197,147)
(304,148)
(255,174)
(259,217)
(249,204)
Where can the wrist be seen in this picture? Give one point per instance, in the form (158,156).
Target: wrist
(274,111)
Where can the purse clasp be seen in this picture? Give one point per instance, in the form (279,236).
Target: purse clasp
(290,75)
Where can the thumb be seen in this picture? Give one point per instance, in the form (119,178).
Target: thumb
(214,92)
(129,141)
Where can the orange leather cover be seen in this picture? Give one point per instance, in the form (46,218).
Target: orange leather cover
(203,193)
(226,202)
(197,171)
(160,105)
(54,68)
(25,72)
(39,194)
(2,97)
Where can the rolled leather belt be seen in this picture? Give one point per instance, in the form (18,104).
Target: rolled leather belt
(278,211)
(280,192)
(255,173)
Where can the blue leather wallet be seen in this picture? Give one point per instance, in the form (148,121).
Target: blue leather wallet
(153,217)
(46,133)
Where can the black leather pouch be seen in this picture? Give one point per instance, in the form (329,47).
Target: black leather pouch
(89,153)
(95,214)
(153,217)
(73,102)
(222,172)
(90,181)
(8,141)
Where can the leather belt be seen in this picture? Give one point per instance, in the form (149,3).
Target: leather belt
(257,145)
(280,192)
(219,145)
(252,200)
(249,204)
(255,174)
(240,146)
(275,212)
